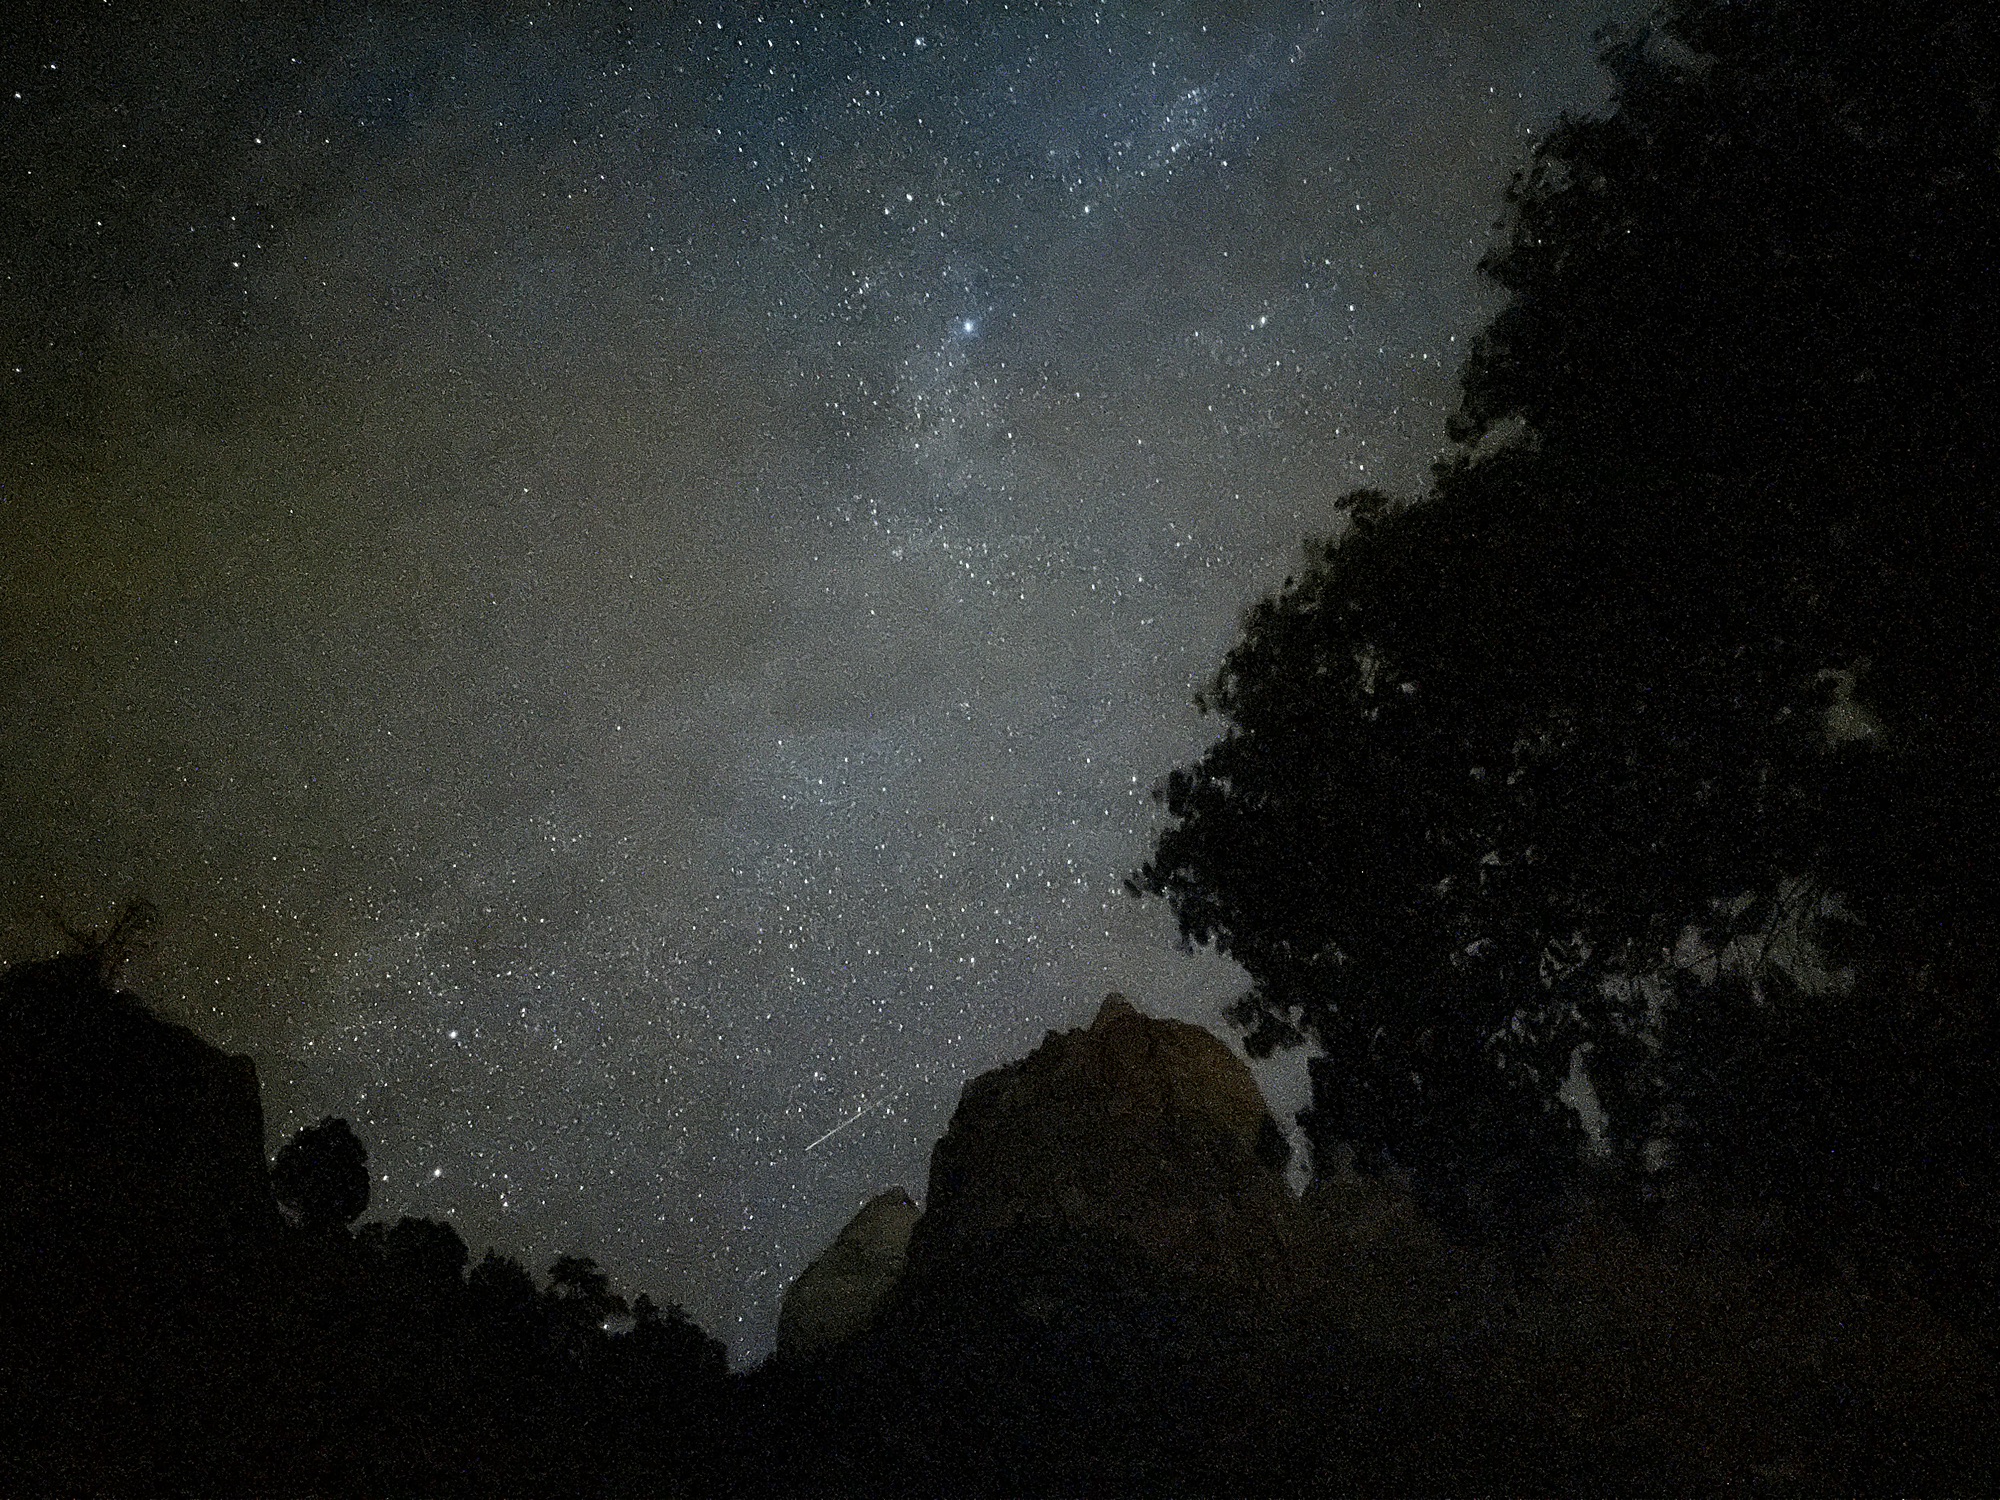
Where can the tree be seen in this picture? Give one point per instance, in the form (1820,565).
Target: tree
(113,948)
(672,1346)
(1546,774)
(1767,276)
(426,1253)
(501,1291)
(321,1177)
(579,1302)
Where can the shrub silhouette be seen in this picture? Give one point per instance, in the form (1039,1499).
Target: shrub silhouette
(321,1177)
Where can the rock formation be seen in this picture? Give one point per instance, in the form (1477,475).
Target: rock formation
(1112,1290)
(125,1133)
(136,1243)
(1102,1247)
(837,1295)
(1148,1137)
(1135,1142)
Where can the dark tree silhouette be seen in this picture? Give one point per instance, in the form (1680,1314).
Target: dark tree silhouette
(502,1290)
(321,1177)
(668,1340)
(425,1253)
(113,948)
(579,1302)
(1650,742)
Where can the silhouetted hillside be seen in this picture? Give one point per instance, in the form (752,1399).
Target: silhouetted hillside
(1110,1292)
(140,1211)
(173,1333)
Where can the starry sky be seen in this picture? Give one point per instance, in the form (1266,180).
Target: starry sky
(623,574)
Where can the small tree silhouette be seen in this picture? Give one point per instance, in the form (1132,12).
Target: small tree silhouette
(669,1344)
(579,1301)
(321,1177)
(94,959)
(501,1289)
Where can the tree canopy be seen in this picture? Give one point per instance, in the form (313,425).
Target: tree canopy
(1653,744)
(321,1176)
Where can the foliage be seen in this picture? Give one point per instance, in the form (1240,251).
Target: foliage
(501,1290)
(421,1252)
(1672,659)
(579,1304)
(669,1337)
(321,1176)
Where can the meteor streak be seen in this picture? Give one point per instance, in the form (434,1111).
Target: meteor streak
(865,1107)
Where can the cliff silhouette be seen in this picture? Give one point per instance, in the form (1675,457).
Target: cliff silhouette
(139,1208)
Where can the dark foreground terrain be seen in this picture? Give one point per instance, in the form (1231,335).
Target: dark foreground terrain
(1110,1291)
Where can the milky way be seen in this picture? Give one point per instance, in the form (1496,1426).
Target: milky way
(623,575)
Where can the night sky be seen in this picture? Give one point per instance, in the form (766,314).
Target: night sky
(623,574)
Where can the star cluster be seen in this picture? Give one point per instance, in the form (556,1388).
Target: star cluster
(623,574)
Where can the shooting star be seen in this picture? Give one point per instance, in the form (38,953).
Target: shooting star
(865,1107)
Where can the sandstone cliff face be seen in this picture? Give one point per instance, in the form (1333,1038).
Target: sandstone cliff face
(1147,1137)
(837,1296)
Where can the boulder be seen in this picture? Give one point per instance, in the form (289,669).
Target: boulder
(837,1296)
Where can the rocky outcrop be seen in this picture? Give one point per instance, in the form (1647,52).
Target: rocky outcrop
(837,1296)
(1111,1290)
(136,1245)
(1146,1137)
(1096,1270)
(122,1132)
(1135,1152)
